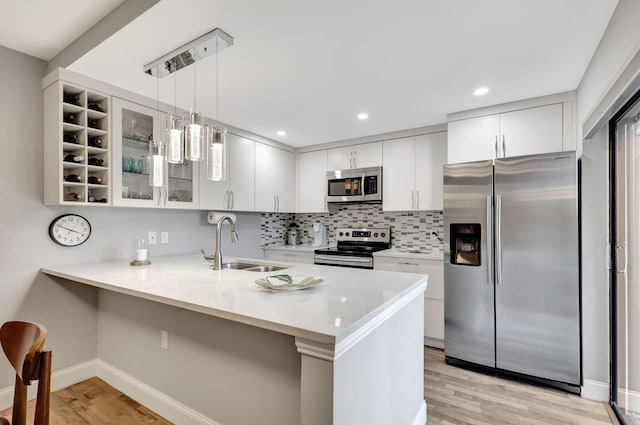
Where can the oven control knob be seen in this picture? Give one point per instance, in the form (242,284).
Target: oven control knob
(383,234)
(375,235)
(341,234)
(346,234)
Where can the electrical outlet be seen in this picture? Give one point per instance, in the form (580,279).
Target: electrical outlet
(164,237)
(164,340)
(152,238)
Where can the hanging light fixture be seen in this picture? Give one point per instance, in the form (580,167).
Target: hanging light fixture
(217,140)
(158,168)
(175,146)
(195,132)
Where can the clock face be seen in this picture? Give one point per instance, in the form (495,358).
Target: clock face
(70,230)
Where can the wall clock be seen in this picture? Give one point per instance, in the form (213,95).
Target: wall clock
(70,230)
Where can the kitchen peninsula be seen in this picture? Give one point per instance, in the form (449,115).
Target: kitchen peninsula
(348,351)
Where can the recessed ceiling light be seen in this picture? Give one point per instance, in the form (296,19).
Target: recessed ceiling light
(281,133)
(363,116)
(481,91)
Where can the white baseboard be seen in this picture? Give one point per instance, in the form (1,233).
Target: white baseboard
(59,379)
(162,404)
(434,342)
(595,390)
(421,416)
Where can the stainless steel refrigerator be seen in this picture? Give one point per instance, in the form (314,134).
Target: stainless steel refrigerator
(511,270)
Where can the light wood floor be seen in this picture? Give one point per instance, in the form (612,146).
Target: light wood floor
(454,396)
(94,402)
(458,396)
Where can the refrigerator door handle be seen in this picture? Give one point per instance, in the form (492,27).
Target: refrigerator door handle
(489,238)
(498,239)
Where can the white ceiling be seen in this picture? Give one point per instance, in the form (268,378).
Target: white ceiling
(309,67)
(42,28)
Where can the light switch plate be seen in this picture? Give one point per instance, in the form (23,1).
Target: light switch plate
(164,237)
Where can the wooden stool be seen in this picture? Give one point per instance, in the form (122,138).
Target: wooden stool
(22,343)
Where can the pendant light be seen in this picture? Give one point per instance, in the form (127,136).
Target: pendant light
(194,141)
(175,146)
(195,133)
(217,140)
(158,169)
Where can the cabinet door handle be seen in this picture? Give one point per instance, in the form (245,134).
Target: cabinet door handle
(278,199)
(408,264)
(355,159)
(504,147)
(413,200)
(275,205)
(225,201)
(233,199)
(417,199)
(351,160)
(495,146)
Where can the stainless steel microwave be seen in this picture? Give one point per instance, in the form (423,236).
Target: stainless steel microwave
(354,185)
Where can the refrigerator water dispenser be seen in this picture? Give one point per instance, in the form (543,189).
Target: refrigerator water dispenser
(465,247)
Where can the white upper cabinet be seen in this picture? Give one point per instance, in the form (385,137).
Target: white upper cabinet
(237,192)
(275,179)
(312,181)
(473,139)
(531,131)
(355,156)
(134,126)
(412,172)
(431,155)
(525,131)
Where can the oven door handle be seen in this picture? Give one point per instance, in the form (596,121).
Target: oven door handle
(338,258)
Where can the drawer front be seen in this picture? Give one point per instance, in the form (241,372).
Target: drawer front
(433,268)
(288,257)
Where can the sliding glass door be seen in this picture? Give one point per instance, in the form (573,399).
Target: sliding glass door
(625,277)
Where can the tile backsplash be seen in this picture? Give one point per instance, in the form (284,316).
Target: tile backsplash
(409,229)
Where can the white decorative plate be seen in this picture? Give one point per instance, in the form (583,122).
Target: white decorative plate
(285,282)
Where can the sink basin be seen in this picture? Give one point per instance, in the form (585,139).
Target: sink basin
(251,267)
(265,268)
(236,265)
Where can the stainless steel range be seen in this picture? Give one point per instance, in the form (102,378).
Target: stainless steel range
(355,247)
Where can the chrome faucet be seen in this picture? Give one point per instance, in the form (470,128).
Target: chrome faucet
(217,257)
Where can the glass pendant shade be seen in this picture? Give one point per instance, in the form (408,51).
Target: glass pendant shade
(158,168)
(216,153)
(175,147)
(194,143)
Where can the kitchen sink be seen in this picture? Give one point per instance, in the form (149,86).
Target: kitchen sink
(251,267)
(265,269)
(236,265)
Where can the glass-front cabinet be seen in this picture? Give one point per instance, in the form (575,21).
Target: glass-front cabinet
(134,126)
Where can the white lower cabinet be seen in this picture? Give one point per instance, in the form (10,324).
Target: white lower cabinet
(433,296)
(275,178)
(288,256)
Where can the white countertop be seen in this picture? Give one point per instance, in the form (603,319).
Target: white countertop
(327,313)
(396,253)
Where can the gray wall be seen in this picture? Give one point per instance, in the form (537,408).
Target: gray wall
(69,311)
(618,45)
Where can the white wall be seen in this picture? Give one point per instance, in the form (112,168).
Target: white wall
(69,311)
(619,43)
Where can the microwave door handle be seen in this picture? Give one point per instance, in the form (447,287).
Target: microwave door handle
(489,239)
(362,184)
